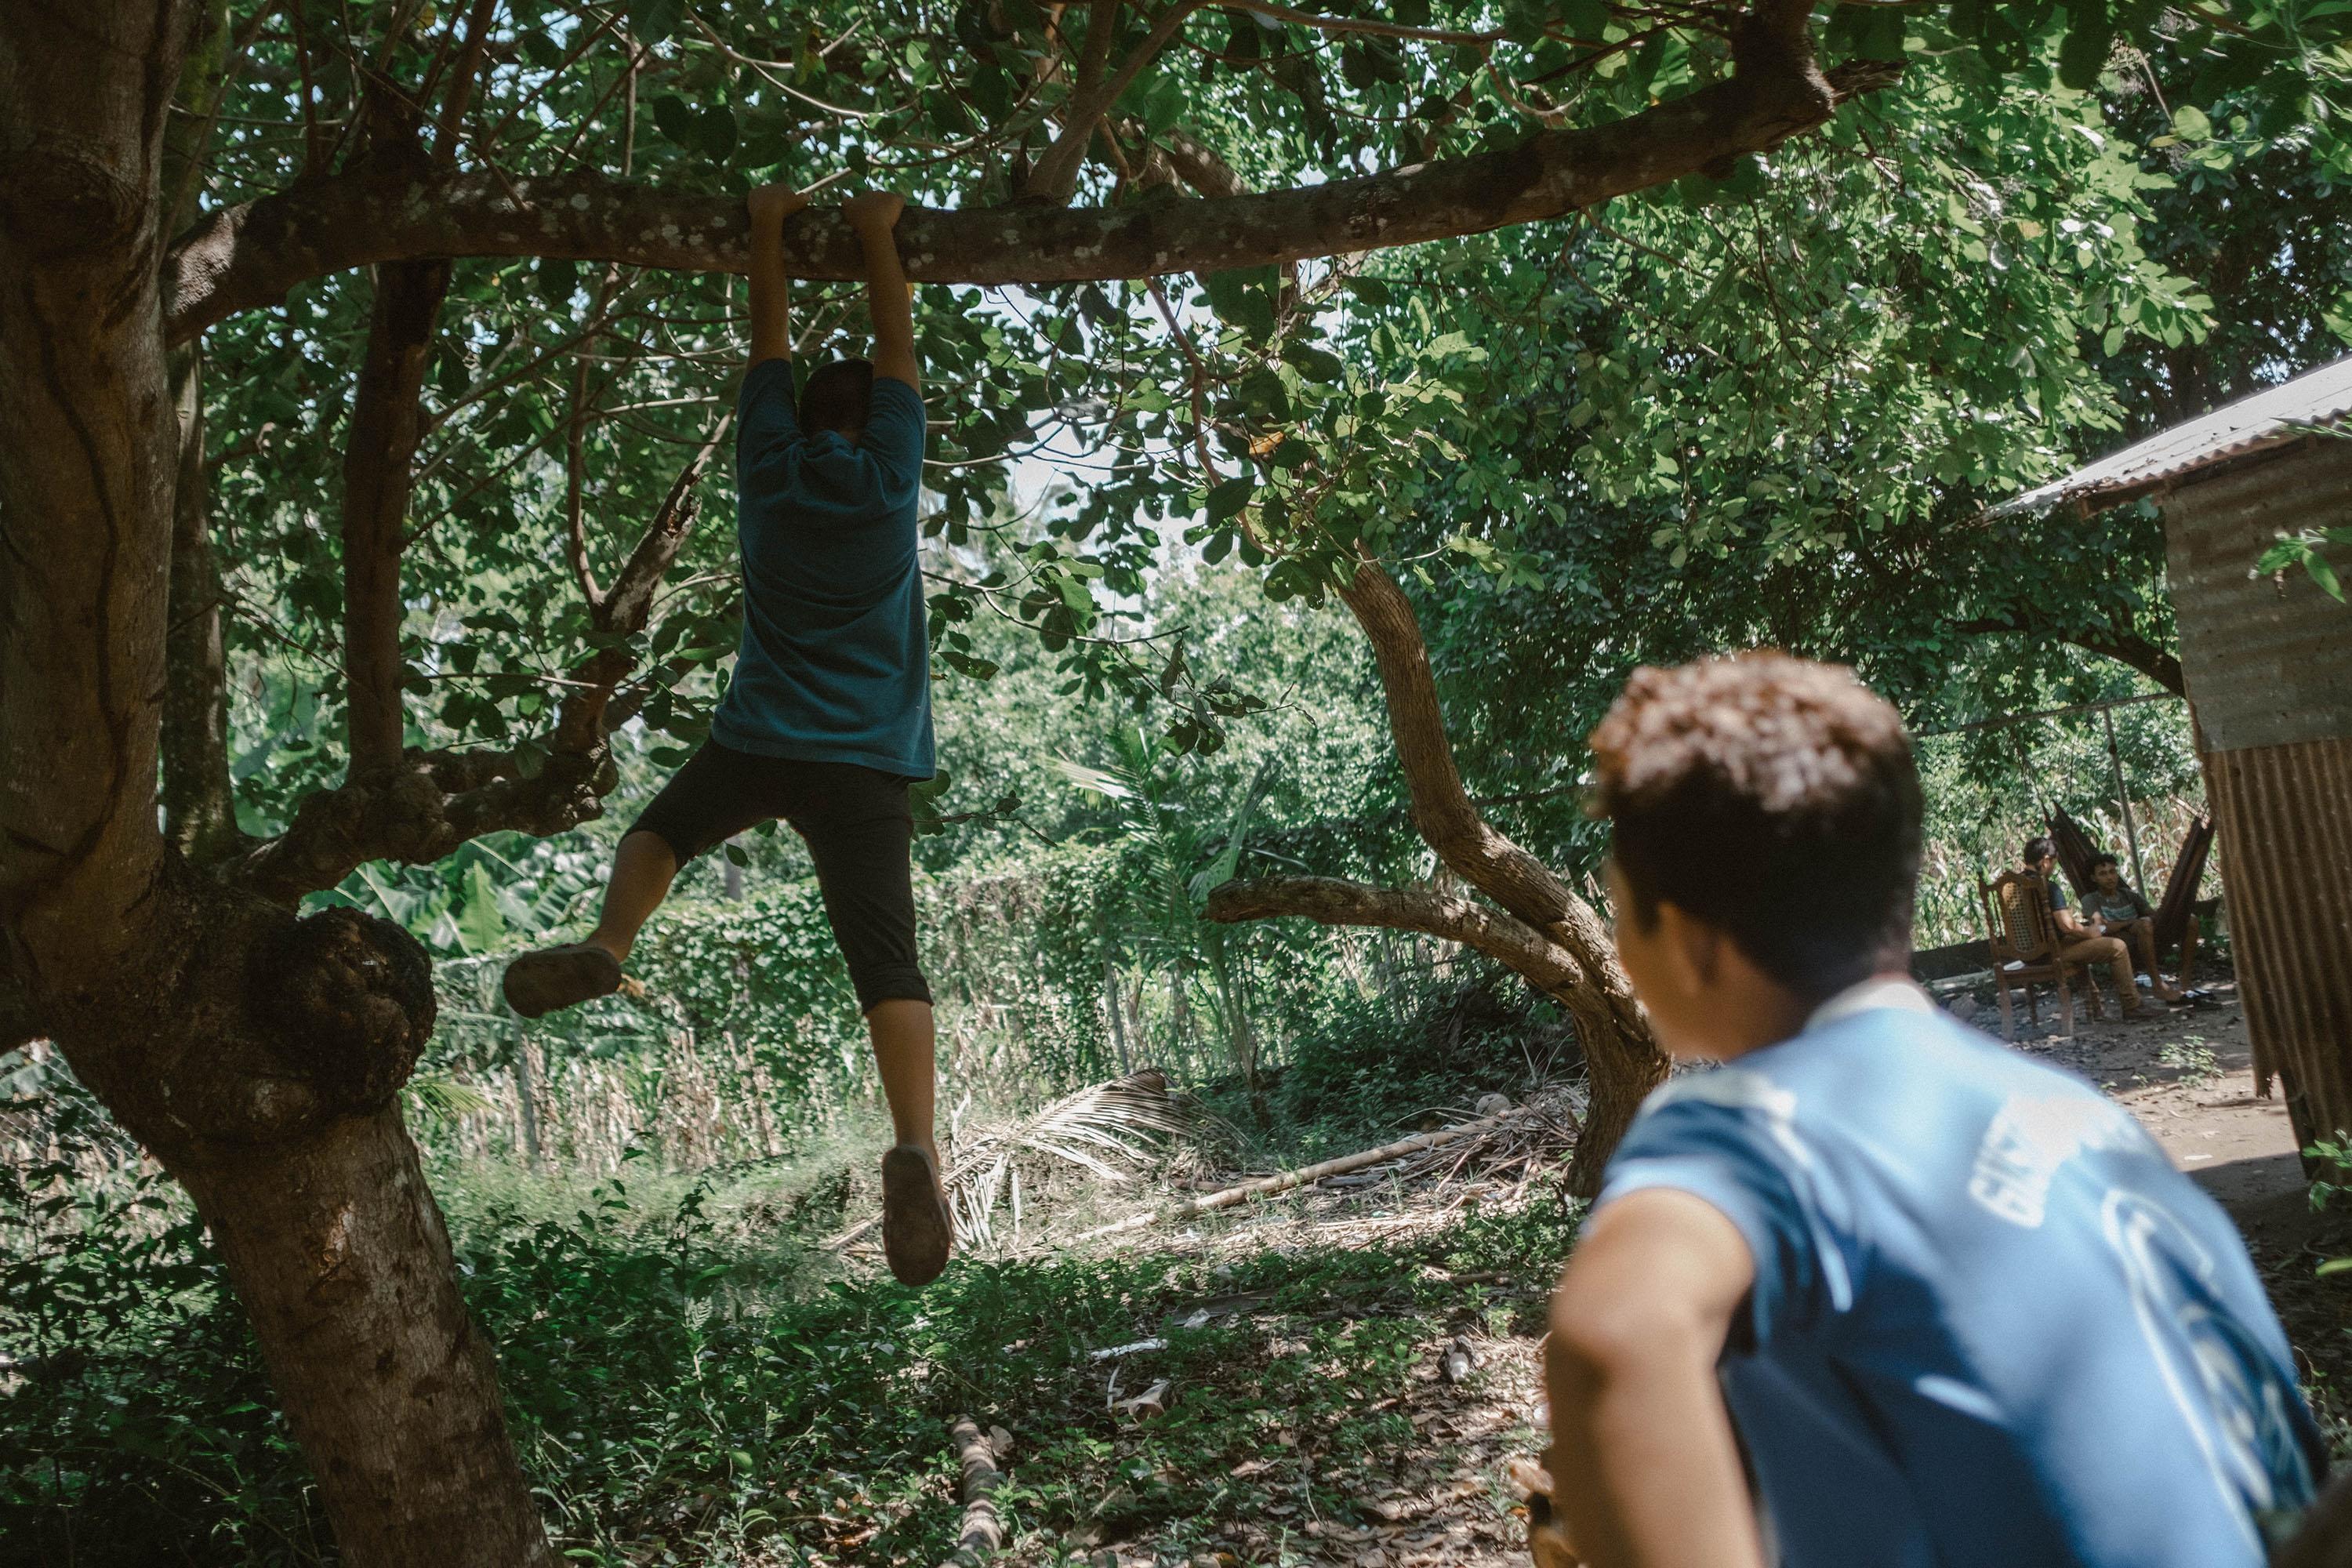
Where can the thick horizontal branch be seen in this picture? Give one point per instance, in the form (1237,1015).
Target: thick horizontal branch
(2159,664)
(1334,902)
(248,256)
(420,809)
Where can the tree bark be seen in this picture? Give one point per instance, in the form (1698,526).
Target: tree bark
(339,1256)
(379,473)
(199,807)
(247,255)
(259,1055)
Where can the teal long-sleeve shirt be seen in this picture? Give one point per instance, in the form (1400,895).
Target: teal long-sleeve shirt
(835,664)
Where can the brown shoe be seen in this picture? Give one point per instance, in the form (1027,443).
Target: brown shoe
(540,982)
(917,1233)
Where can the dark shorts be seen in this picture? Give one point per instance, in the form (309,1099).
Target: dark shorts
(858,829)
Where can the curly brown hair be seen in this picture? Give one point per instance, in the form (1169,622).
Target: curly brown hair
(1774,798)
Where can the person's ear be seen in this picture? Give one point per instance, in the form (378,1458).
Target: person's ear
(1692,949)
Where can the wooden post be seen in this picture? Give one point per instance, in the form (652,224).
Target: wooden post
(526,1111)
(2123,798)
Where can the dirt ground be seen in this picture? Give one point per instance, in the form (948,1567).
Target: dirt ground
(2186,1074)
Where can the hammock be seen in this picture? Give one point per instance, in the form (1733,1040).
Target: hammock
(2179,908)
(2074,851)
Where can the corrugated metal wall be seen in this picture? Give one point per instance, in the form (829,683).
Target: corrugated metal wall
(2269,670)
(2286,818)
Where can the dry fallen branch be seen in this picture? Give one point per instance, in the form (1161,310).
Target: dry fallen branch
(1281,1182)
(982,1530)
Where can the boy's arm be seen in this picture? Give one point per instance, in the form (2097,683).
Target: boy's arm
(889,300)
(771,326)
(1645,1469)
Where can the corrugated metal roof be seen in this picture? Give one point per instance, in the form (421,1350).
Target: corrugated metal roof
(2322,396)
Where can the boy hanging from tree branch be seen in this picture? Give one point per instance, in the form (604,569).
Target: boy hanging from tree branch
(828,717)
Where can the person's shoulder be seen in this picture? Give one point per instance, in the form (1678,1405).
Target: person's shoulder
(889,388)
(770,378)
(1847,1077)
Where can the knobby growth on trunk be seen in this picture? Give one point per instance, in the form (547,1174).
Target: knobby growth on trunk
(259,1053)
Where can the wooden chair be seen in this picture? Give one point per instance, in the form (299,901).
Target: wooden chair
(2024,941)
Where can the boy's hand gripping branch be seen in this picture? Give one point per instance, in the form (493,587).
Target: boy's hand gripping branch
(890,299)
(771,326)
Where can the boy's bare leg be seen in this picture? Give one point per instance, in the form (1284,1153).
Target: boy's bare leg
(540,982)
(918,1231)
(642,869)
(905,1049)
(2144,938)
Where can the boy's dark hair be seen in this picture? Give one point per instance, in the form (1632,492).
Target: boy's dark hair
(1775,799)
(2038,848)
(2104,858)
(838,396)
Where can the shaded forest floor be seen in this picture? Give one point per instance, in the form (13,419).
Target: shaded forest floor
(1334,1375)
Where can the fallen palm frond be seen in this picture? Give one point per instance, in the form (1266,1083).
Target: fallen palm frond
(1108,1131)
(444,1093)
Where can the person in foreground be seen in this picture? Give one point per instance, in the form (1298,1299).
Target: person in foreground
(828,719)
(1876,1290)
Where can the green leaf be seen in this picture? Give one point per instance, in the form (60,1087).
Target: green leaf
(2324,574)
(2089,43)
(714,133)
(1244,297)
(2189,124)
(653,21)
(480,922)
(1228,498)
(1585,20)
(676,119)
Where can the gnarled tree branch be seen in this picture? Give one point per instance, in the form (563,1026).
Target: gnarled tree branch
(1334,902)
(250,255)
(1619,1048)
(426,804)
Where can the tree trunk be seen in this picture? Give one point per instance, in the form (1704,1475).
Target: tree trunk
(259,1055)
(379,472)
(1621,1054)
(199,809)
(339,1253)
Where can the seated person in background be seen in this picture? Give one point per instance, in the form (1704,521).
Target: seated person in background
(2116,910)
(2079,942)
(1877,1291)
